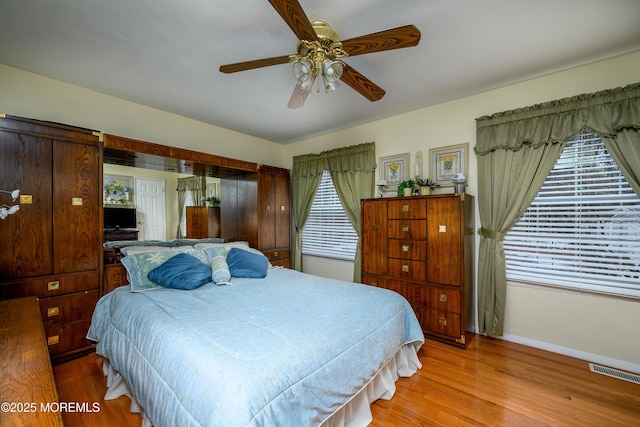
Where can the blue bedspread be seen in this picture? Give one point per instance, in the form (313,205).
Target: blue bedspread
(286,350)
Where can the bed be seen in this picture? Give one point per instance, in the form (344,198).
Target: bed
(287,349)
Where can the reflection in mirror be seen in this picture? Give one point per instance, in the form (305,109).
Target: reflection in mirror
(154,195)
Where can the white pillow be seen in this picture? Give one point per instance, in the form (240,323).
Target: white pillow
(132,250)
(220,245)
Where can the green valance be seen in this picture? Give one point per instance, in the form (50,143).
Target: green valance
(606,113)
(355,158)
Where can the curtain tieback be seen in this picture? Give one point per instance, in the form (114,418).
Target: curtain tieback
(491,234)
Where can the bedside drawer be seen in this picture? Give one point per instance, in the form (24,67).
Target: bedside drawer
(406,229)
(407,249)
(68,308)
(115,275)
(72,336)
(51,285)
(277,255)
(407,269)
(407,208)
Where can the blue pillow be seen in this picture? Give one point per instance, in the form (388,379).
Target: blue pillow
(182,271)
(247,264)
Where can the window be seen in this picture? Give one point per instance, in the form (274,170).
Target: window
(328,232)
(582,231)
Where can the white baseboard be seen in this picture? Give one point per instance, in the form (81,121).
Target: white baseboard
(571,352)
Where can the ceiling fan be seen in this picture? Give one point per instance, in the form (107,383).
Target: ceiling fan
(320,52)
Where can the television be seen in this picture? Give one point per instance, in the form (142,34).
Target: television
(117,218)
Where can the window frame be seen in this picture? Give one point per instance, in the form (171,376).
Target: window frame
(602,223)
(318,239)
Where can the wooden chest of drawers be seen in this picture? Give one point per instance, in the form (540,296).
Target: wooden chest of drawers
(422,248)
(66,304)
(26,377)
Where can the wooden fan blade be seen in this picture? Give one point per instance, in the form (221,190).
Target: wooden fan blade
(361,84)
(394,38)
(257,63)
(296,19)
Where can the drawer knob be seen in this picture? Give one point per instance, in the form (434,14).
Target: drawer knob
(405,248)
(405,208)
(53,340)
(53,286)
(405,228)
(442,298)
(442,321)
(275,254)
(405,268)
(53,311)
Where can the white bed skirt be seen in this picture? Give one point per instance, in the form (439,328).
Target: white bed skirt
(355,413)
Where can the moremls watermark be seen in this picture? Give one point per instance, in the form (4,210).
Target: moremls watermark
(84,407)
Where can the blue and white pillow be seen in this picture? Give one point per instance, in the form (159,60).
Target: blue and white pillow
(220,274)
(139,265)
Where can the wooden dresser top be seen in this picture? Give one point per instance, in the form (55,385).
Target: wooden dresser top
(26,377)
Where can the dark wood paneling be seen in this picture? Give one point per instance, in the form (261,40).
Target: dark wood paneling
(283,210)
(267,210)
(26,236)
(77,203)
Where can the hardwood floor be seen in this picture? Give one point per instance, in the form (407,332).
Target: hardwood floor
(493,382)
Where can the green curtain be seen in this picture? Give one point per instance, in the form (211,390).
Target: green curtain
(306,174)
(197,185)
(516,151)
(622,138)
(352,171)
(353,174)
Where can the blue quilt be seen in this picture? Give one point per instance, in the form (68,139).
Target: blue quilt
(287,350)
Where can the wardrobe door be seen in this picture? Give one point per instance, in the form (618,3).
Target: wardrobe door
(444,241)
(76,207)
(374,236)
(283,210)
(267,211)
(25,164)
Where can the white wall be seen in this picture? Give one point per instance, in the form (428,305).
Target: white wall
(29,95)
(598,328)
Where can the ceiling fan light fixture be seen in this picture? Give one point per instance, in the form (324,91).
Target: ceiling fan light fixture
(332,70)
(331,86)
(302,69)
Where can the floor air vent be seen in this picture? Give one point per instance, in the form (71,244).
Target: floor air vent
(610,372)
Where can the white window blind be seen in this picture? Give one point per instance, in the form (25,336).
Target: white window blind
(328,232)
(582,231)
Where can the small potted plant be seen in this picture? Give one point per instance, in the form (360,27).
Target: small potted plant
(214,202)
(405,188)
(426,185)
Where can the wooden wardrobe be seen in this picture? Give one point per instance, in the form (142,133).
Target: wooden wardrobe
(51,247)
(422,248)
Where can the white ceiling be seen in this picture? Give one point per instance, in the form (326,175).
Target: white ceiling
(166,53)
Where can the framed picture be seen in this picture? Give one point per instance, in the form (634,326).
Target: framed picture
(394,170)
(117,190)
(448,161)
